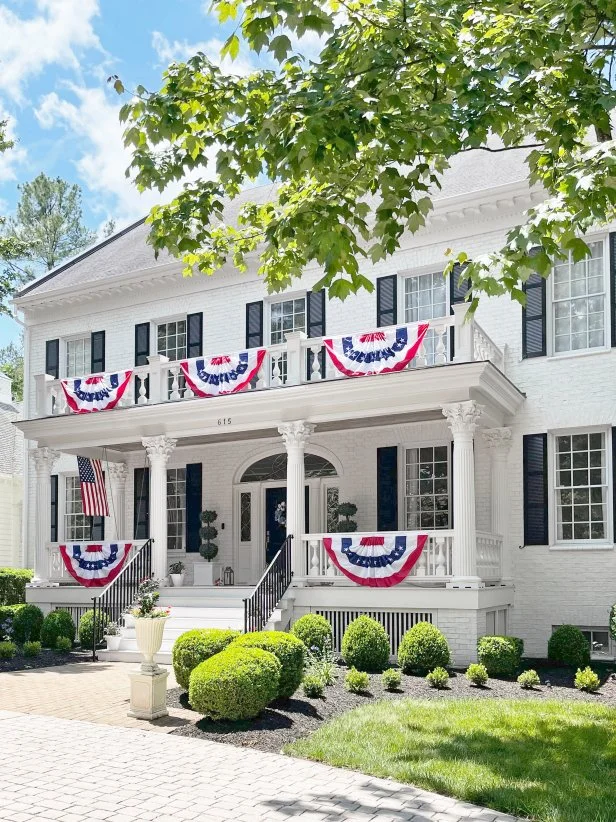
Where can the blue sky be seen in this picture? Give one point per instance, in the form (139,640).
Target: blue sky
(55,57)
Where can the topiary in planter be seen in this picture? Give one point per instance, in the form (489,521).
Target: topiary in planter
(86,629)
(194,647)
(238,683)
(501,655)
(55,624)
(569,646)
(287,649)
(346,510)
(208,532)
(423,648)
(365,645)
(313,630)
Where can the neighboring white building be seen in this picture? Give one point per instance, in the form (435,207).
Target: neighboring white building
(11,479)
(497,440)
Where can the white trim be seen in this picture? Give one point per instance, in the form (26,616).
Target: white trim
(402,449)
(272,299)
(63,352)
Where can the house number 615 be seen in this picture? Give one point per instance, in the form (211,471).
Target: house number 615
(224,420)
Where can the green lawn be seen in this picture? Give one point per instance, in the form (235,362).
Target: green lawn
(550,761)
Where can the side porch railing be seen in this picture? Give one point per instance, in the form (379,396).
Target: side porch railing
(57,571)
(269,590)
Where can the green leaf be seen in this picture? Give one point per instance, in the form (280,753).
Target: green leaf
(231,47)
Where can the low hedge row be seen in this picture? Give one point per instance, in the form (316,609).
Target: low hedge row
(13,583)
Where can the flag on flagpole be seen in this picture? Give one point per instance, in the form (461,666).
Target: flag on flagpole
(93,493)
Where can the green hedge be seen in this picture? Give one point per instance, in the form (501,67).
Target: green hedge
(13,585)
(55,624)
(238,683)
(365,645)
(314,631)
(287,649)
(25,619)
(194,647)
(569,646)
(86,629)
(501,655)
(423,648)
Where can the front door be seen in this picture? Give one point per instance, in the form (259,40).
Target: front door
(276,520)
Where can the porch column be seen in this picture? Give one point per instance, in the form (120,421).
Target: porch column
(462,418)
(44,461)
(498,441)
(296,435)
(159,449)
(116,479)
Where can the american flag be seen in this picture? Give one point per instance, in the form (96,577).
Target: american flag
(93,493)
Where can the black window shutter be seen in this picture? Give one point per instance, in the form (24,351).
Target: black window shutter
(193,506)
(194,335)
(387,300)
(534,318)
(315,324)
(53,536)
(141,503)
(52,358)
(458,288)
(254,324)
(535,456)
(142,343)
(387,488)
(451,490)
(98,528)
(613,287)
(97,352)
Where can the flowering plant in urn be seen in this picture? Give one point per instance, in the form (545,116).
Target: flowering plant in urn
(145,601)
(149,623)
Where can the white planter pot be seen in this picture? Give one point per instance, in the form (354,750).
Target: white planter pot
(177,580)
(206,573)
(149,634)
(113,642)
(129,621)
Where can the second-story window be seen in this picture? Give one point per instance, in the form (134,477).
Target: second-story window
(78,361)
(425,298)
(286,316)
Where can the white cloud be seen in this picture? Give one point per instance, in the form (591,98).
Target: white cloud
(12,157)
(58,31)
(169,51)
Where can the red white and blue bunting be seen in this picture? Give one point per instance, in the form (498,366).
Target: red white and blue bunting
(94,564)
(98,392)
(378,561)
(224,374)
(375,352)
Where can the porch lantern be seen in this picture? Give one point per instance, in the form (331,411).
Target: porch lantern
(228,576)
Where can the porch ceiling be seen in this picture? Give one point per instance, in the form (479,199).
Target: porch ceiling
(406,396)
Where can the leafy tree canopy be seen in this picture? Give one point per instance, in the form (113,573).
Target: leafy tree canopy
(12,364)
(359,137)
(11,248)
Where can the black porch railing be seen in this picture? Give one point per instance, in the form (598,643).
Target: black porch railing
(269,590)
(113,601)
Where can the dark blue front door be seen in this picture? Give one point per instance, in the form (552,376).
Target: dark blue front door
(276,520)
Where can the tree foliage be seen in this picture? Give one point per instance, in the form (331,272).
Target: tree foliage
(11,248)
(12,364)
(358,138)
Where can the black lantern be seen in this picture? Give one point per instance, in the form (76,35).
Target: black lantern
(227,576)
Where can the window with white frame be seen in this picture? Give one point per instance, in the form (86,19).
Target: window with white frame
(427,502)
(425,298)
(171,339)
(78,361)
(599,643)
(581,487)
(176,508)
(286,316)
(77,526)
(579,315)
(496,622)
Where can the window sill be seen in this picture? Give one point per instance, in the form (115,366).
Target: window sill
(600,546)
(587,352)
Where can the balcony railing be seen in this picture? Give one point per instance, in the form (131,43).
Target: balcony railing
(297,361)
(57,569)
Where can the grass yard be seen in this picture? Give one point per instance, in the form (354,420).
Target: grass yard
(549,761)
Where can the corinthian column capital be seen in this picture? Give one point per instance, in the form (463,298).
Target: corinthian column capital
(159,448)
(44,459)
(296,434)
(462,417)
(498,439)
(118,472)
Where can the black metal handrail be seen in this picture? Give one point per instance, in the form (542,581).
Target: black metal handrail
(269,590)
(120,593)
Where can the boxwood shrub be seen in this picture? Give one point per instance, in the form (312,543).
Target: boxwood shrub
(194,647)
(313,630)
(569,646)
(237,683)
(31,648)
(365,645)
(86,629)
(287,649)
(501,655)
(13,585)
(7,650)
(423,648)
(55,624)
(25,620)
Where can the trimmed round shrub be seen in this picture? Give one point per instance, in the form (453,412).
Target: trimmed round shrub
(423,648)
(32,648)
(63,644)
(313,686)
(194,647)
(55,624)
(7,650)
(27,622)
(438,678)
(391,679)
(357,682)
(569,646)
(501,655)
(86,629)
(477,674)
(587,680)
(237,683)
(314,631)
(529,680)
(287,649)
(365,645)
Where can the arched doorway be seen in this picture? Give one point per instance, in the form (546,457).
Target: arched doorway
(260,508)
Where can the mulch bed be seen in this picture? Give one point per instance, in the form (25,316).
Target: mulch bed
(46,659)
(287,720)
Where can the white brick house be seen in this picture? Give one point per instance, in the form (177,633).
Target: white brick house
(507,420)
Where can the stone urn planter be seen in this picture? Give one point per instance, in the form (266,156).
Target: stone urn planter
(149,632)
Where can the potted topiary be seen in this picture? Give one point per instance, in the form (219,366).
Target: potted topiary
(149,623)
(176,572)
(113,636)
(206,573)
(346,510)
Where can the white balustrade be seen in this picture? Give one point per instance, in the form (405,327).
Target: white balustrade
(484,348)
(57,569)
(489,550)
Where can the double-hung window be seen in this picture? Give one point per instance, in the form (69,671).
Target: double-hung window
(78,358)
(581,487)
(176,508)
(427,487)
(286,316)
(171,342)
(77,526)
(425,298)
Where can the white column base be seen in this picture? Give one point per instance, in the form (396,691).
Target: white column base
(42,583)
(148,694)
(465,582)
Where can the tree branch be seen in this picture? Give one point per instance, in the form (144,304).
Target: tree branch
(499,150)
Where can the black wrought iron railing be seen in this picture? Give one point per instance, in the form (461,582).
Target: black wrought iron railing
(114,600)
(269,590)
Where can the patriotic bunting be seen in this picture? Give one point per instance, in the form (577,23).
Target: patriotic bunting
(224,374)
(94,565)
(378,561)
(376,352)
(98,392)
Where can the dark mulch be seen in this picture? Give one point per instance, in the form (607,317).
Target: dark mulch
(287,720)
(45,659)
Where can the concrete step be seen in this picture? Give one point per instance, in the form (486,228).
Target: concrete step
(163,658)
